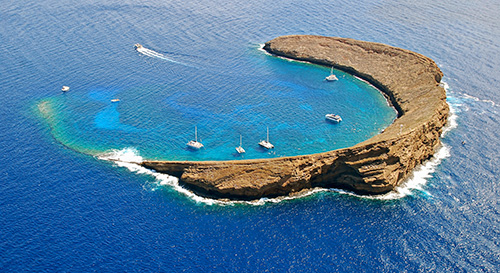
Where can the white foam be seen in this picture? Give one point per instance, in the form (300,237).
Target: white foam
(127,155)
(467,96)
(422,173)
(452,118)
(261,48)
(414,183)
(129,158)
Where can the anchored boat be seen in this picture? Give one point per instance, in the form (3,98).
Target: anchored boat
(331,77)
(240,149)
(194,143)
(265,143)
(333,117)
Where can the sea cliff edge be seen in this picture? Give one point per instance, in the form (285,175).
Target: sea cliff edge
(375,166)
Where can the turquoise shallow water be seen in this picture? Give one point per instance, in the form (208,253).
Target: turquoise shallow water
(68,211)
(223,102)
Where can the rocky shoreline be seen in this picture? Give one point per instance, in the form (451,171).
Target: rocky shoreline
(409,80)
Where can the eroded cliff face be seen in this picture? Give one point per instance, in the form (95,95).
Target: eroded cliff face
(410,81)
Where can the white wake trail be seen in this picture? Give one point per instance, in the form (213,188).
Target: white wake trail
(154,54)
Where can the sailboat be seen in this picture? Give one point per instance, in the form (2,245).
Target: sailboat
(194,143)
(265,143)
(240,149)
(331,77)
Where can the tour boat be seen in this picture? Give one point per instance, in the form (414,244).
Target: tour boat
(65,88)
(333,117)
(194,143)
(240,149)
(265,143)
(332,76)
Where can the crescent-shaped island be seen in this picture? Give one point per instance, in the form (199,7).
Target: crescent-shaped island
(409,80)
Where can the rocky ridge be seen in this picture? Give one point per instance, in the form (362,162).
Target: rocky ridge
(409,80)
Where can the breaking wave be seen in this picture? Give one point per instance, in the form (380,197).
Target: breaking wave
(129,158)
(467,96)
(422,173)
(414,183)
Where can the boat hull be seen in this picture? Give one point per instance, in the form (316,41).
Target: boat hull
(333,118)
(266,144)
(195,144)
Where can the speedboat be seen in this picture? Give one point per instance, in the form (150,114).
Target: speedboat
(265,143)
(138,46)
(194,143)
(333,117)
(65,88)
(331,77)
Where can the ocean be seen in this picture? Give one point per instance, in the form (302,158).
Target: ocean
(73,197)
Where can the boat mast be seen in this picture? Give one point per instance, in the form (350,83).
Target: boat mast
(268,134)
(240,140)
(195,134)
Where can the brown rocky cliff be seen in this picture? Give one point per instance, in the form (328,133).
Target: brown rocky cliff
(410,81)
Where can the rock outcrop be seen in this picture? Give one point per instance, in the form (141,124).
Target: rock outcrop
(411,83)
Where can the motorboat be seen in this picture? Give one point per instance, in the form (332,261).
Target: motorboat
(331,77)
(194,143)
(265,143)
(240,149)
(333,117)
(65,88)
(115,100)
(138,46)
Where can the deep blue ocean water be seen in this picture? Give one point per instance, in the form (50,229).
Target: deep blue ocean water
(65,207)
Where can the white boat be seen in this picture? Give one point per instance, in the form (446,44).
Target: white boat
(115,100)
(265,143)
(138,46)
(240,149)
(331,77)
(194,143)
(65,88)
(333,117)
